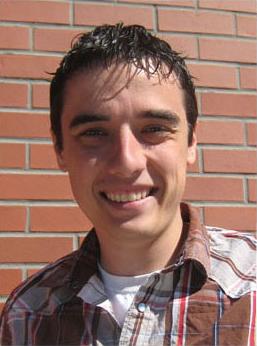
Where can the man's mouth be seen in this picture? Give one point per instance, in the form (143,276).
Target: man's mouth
(128,197)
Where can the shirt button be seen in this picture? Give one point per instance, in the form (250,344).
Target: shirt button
(75,284)
(141,307)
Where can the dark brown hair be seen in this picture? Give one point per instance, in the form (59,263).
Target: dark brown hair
(114,44)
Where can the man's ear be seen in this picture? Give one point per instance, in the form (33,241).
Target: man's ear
(59,154)
(191,151)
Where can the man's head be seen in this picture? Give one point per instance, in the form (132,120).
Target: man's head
(112,45)
(123,133)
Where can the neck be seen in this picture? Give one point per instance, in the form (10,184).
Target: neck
(141,255)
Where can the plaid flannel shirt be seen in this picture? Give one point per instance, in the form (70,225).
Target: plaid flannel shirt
(206,298)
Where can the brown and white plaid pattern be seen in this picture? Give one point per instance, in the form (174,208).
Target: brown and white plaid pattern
(207,298)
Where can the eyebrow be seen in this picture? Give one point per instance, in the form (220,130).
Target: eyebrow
(87,118)
(172,117)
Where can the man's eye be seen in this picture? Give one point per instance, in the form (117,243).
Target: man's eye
(156,134)
(155,129)
(93,133)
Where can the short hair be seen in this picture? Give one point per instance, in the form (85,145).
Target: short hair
(115,44)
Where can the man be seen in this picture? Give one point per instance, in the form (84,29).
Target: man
(123,115)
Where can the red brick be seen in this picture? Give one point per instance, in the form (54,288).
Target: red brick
(242,105)
(229,5)
(214,189)
(246,26)
(59,219)
(230,161)
(252,134)
(97,14)
(33,271)
(81,239)
(186,45)
(13,95)
(55,12)
(220,132)
(28,66)
(55,40)
(40,95)
(36,250)
(186,3)
(12,155)
(10,278)
(42,156)
(248,78)
(12,37)
(227,50)
(24,125)
(237,218)
(252,190)
(12,218)
(35,187)
(213,76)
(196,22)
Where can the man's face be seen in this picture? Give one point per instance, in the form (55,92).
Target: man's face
(125,149)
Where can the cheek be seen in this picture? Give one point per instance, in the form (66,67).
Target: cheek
(82,172)
(172,171)
(172,159)
(77,158)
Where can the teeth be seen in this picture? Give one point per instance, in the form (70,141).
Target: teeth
(130,197)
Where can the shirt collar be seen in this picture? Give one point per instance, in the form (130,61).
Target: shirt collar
(196,249)
(196,246)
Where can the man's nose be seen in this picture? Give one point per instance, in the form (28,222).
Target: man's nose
(128,157)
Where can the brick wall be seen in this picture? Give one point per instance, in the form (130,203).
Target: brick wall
(39,221)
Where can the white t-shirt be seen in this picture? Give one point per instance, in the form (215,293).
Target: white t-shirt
(121,291)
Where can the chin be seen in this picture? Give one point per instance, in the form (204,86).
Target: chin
(133,229)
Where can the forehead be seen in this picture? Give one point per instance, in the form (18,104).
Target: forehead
(120,85)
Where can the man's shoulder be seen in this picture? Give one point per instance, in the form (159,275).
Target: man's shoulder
(233,260)
(36,291)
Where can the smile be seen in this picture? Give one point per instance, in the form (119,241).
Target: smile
(128,197)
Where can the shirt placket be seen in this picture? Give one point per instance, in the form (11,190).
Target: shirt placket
(139,317)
